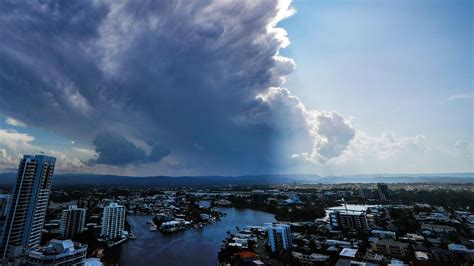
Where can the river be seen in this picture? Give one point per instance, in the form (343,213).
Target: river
(190,247)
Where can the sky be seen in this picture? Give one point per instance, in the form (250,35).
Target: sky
(238,87)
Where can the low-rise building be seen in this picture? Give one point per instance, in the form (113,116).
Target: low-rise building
(349,262)
(204,216)
(333,242)
(58,252)
(391,247)
(412,238)
(348,253)
(395,262)
(92,262)
(383,234)
(438,228)
(349,220)
(421,256)
(311,259)
(458,248)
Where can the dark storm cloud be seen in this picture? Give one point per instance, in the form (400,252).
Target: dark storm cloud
(114,149)
(182,74)
(46,78)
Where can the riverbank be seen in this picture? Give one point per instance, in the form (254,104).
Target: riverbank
(191,247)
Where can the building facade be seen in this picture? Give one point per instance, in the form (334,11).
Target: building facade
(384,193)
(4,203)
(113,221)
(349,220)
(58,252)
(310,259)
(279,237)
(27,208)
(72,222)
(391,247)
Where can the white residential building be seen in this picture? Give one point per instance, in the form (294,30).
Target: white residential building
(113,221)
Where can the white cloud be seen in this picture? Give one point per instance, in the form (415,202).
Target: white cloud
(65,162)
(329,133)
(385,147)
(465,150)
(85,152)
(13,122)
(15,140)
(75,98)
(6,160)
(13,145)
(461,96)
(389,153)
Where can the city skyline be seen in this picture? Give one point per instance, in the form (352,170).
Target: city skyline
(274,87)
(290,223)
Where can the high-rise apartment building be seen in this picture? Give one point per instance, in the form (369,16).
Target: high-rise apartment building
(384,193)
(113,221)
(72,221)
(27,208)
(279,237)
(4,203)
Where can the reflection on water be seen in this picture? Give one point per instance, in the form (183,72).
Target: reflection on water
(190,247)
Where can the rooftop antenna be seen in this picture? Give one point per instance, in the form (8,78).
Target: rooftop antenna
(345,204)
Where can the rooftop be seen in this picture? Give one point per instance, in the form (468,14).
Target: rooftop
(348,252)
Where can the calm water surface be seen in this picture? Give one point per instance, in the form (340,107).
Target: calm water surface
(190,247)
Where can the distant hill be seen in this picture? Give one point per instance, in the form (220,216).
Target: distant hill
(402,178)
(92,179)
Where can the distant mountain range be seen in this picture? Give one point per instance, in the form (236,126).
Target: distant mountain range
(92,179)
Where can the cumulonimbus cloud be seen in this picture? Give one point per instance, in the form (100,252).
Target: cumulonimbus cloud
(114,149)
(201,80)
